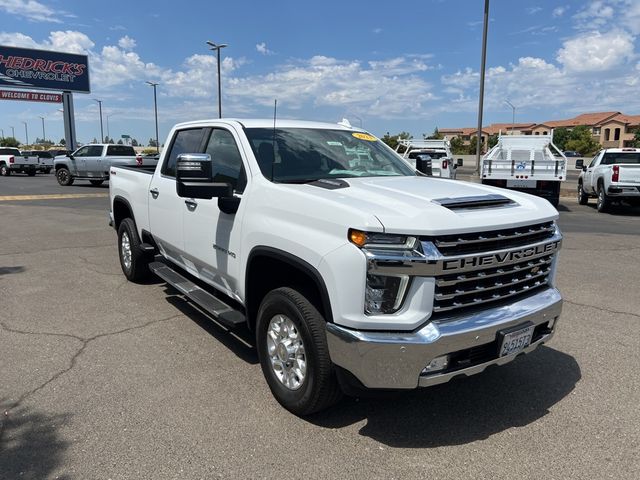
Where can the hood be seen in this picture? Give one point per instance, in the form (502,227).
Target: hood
(430,206)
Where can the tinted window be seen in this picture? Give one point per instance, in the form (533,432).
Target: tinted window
(94,151)
(185,141)
(81,152)
(120,150)
(9,151)
(226,160)
(622,157)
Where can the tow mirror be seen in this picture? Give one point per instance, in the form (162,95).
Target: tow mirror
(579,164)
(423,164)
(460,162)
(194,178)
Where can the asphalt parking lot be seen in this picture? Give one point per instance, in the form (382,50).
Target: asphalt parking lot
(104,379)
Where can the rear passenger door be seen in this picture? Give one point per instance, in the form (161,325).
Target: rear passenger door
(212,237)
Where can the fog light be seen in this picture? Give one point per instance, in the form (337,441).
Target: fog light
(436,365)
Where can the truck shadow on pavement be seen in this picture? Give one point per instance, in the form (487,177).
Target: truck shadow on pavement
(10,270)
(466,409)
(30,445)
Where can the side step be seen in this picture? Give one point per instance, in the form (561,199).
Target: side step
(223,313)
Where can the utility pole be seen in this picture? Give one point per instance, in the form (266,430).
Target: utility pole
(513,120)
(26,133)
(101,130)
(155,107)
(483,64)
(44,137)
(217,47)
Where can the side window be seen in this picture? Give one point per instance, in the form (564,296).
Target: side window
(185,141)
(82,152)
(94,151)
(226,161)
(593,162)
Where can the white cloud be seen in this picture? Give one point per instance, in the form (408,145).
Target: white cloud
(596,52)
(31,10)
(559,11)
(377,30)
(127,43)
(595,15)
(262,48)
(68,41)
(533,10)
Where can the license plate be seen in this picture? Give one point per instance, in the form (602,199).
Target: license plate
(521,184)
(515,341)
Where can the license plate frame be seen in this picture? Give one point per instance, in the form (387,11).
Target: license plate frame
(517,183)
(515,339)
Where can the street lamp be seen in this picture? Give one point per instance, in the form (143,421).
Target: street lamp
(101,130)
(513,120)
(155,108)
(217,47)
(108,116)
(13,132)
(26,132)
(43,134)
(483,63)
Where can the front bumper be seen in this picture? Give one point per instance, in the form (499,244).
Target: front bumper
(395,360)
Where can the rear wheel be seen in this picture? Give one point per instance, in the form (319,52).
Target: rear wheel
(583,198)
(63,175)
(96,183)
(133,260)
(604,202)
(47,170)
(293,352)
(4,171)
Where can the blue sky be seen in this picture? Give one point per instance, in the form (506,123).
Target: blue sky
(392,66)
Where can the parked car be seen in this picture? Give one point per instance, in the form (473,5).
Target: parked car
(92,162)
(352,269)
(613,175)
(571,153)
(13,161)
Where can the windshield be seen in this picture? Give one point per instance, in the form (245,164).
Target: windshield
(306,154)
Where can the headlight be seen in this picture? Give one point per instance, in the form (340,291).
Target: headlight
(384,294)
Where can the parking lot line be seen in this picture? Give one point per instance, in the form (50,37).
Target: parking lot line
(58,196)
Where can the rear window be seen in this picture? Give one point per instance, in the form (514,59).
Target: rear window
(120,151)
(9,151)
(621,157)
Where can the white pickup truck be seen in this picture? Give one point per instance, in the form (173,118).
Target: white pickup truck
(352,269)
(437,151)
(612,175)
(13,161)
(92,162)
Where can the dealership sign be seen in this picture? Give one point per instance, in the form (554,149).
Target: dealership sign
(43,69)
(31,96)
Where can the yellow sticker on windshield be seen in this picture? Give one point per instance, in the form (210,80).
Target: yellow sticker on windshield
(364,136)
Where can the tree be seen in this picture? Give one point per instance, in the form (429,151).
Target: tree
(457,146)
(134,142)
(63,141)
(636,138)
(436,135)
(119,141)
(152,142)
(9,142)
(392,140)
(581,140)
(95,140)
(560,137)
(107,139)
(493,140)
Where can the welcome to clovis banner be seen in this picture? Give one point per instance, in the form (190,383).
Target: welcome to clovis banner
(42,69)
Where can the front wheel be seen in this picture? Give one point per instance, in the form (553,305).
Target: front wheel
(133,260)
(583,198)
(63,175)
(293,352)
(96,183)
(4,171)
(604,202)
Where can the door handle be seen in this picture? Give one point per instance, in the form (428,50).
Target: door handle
(154,193)
(191,204)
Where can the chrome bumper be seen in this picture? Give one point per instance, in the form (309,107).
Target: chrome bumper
(395,360)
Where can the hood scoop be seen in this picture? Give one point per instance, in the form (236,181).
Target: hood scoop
(480,201)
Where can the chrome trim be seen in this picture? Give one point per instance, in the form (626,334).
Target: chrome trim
(396,359)
(482,275)
(481,238)
(448,296)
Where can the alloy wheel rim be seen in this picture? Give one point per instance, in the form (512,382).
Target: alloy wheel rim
(286,352)
(62,175)
(125,246)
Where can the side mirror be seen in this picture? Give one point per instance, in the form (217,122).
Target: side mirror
(460,162)
(423,164)
(70,155)
(193,178)
(579,164)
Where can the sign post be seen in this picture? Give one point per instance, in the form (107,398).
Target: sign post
(69,124)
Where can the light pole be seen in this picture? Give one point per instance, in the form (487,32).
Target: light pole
(108,116)
(43,134)
(483,63)
(101,130)
(2,130)
(155,108)
(26,132)
(13,133)
(217,47)
(513,120)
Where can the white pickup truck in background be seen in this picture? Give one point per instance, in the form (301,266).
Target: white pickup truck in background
(92,162)
(352,269)
(527,163)
(613,175)
(13,161)
(438,152)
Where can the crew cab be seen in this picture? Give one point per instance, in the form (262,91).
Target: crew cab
(437,152)
(12,160)
(92,162)
(613,175)
(353,270)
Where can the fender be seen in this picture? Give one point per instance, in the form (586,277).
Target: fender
(120,199)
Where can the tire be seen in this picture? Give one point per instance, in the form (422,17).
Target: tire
(604,202)
(133,261)
(96,183)
(583,198)
(287,319)
(47,171)
(4,171)
(64,177)
(31,173)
